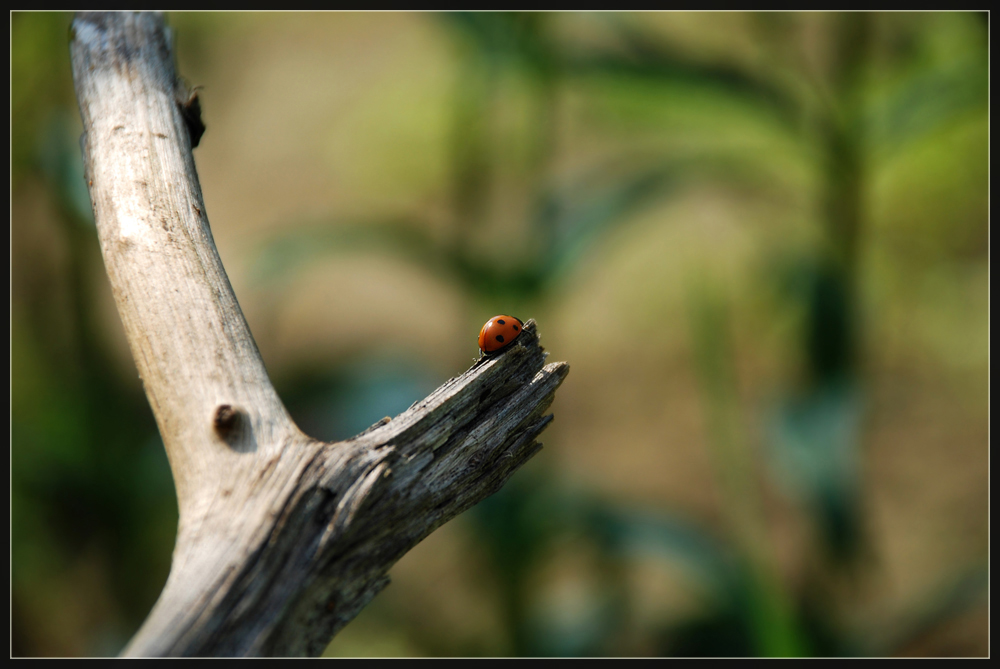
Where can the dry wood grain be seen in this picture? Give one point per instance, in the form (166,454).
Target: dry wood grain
(282,539)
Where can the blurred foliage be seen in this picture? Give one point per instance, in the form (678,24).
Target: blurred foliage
(824,113)
(81,441)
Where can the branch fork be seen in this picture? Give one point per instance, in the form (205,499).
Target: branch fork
(282,539)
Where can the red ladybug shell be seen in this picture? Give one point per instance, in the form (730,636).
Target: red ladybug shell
(498,332)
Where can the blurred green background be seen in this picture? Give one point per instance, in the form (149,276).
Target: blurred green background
(760,240)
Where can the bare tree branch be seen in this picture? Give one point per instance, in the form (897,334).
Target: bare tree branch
(282,539)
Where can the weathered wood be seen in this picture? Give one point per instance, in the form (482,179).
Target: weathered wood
(282,539)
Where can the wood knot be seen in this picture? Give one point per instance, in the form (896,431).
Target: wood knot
(227,422)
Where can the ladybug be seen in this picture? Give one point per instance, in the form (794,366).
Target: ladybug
(498,332)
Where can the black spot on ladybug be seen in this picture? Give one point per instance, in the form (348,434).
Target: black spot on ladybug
(500,338)
(502,322)
(515,328)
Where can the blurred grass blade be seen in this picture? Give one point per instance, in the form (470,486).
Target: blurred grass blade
(289,252)
(655,62)
(768,609)
(926,99)
(574,219)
